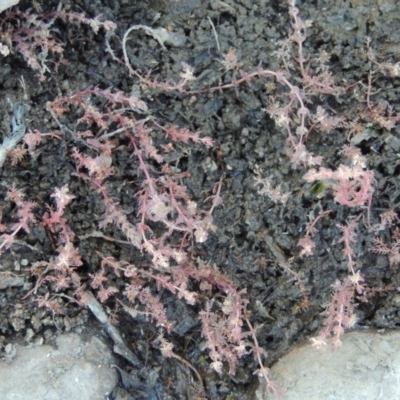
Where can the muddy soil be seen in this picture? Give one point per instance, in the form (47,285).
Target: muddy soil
(254,234)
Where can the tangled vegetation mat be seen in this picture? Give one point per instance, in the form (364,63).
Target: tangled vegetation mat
(220,175)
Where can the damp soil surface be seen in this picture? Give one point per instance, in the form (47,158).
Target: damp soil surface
(255,236)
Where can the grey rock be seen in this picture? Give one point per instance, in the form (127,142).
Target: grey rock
(74,370)
(365,367)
